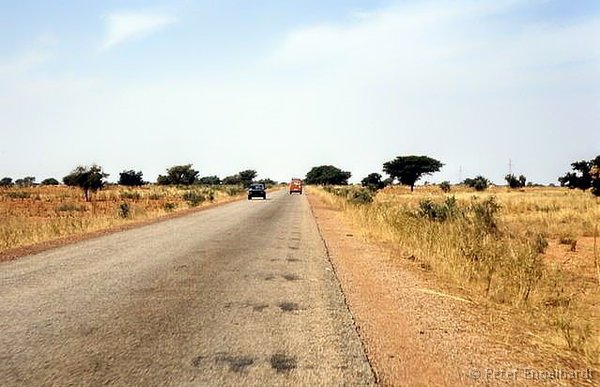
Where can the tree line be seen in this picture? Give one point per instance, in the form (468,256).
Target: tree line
(408,170)
(405,170)
(93,178)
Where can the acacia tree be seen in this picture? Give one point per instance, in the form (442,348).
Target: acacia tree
(131,178)
(179,175)
(515,182)
(373,182)
(327,175)
(232,180)
(50,181)
(27,181)
(586,175)
(479,183)
(210,180)
(247,176)
(6,182)
(409,169)
(89,179)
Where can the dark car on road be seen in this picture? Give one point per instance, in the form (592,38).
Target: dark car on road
(257,191)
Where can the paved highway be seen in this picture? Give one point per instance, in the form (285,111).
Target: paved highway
(239,294)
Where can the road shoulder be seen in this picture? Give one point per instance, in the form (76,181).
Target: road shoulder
(415,332)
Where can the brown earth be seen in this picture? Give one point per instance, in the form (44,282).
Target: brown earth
(419,331)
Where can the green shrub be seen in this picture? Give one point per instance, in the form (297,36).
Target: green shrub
(480,183)
(234,190)
(193,198)
(438,211)
(362,196)
(124,210)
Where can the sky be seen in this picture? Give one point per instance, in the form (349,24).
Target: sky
(282,86)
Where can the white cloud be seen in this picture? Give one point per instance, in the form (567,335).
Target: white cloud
(124,26)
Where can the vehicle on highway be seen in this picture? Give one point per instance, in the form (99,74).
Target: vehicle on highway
(296,186)
(257,191)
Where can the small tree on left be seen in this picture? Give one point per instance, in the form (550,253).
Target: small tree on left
(89,179)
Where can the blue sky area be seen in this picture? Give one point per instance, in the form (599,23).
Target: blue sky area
(281,86)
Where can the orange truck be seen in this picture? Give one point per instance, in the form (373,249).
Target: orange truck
(296,186)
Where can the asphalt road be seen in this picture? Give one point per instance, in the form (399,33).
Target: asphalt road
(238,294)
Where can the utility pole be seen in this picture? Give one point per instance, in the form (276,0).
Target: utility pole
(509,166)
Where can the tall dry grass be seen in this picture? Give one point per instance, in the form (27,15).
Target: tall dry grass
(43,213)
(493,245)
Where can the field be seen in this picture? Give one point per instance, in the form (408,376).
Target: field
(33,215)
(533,251)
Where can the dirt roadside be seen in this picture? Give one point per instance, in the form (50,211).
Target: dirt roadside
(416,332)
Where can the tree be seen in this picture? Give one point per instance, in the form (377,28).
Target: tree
(179,175)
(25,182)
(50,181)
(131,178)
(210,180)
(232,180)
(247,176)
(480,183)
(595,173)
(89,179)
(409,169)
(582,176)
(6,182)
(373,182)
(515,182)
(586,175)
(267,182)
(327,175)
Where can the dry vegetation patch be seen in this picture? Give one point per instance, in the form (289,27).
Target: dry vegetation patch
(531,250)
(40,214)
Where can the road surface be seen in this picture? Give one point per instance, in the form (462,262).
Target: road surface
(239,294)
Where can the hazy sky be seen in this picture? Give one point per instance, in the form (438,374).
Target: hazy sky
(281,86)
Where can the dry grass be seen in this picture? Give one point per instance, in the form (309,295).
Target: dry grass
(44,213)
(535,254)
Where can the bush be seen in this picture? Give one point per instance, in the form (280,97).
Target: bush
(234,190)
(479,183)
(50,181)
(168,207)
(6,182)
(193,198)
(124,210)
(373,182)
(515,182)
(362,196)
(445,186)
(438,212)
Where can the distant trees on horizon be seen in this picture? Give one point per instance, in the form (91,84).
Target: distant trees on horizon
(406,170)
